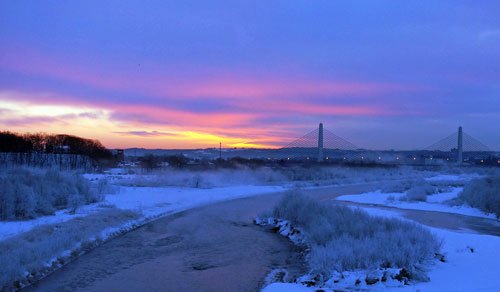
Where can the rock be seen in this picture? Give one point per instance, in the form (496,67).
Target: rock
(384,277)
(309,283)
(403,276)
(440,257)
(371,281)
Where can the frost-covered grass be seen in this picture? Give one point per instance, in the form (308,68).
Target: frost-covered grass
(30,192)
(119,210)
(442,193)
(403,185)
(300,176)
(350,175)
(150,202)
(472,263)
(345,239)
(484,194)
(419,193)
(204,178)
(418,190)
(446,202)
(27,254)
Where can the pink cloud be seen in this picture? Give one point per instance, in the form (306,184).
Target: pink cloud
(250,101)
(203,82)
(309,108)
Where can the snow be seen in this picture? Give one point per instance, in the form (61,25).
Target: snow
(11,228)
(287,287)
(472,264)
(435,202)
(464,269)
(150,202)
(451,177)
(443,197)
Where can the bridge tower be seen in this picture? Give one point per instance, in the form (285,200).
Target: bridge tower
(320,143)
(460,148)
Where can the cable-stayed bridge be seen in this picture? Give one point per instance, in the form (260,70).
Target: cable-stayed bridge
(323,145)
(452,142)
(319,145)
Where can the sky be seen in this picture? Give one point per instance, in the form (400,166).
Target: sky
(190,74)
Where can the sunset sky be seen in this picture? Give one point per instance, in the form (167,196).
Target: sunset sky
(188,74)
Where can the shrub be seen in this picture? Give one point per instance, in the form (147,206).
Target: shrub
(345,239)
(420,193)
(28,192)
(405,185)
(483,194)
(415,189)
(204,178)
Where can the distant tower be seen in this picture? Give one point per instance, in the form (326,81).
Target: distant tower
(320,143)
(460,157)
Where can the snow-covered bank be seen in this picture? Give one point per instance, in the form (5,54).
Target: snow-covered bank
(145,200)
(153,200)
(435,202)
(133,207)
(472,263)
(12,228)
(472,260)
(346,248)
(464,177)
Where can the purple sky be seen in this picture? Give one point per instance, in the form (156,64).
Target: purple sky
(183,74)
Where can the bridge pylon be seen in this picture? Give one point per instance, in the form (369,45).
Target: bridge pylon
(320,143)
(460,148)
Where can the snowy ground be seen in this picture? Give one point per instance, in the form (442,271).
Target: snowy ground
(472,264)
(453,177)
(435,202)
(150,202)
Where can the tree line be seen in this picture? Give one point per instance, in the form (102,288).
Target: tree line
(53,143)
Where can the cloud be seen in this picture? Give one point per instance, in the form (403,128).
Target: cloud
(4,111)
(185,81)
(16,111)
(38,121)
(269,123)
(91,115)
(35,121)
(147,133)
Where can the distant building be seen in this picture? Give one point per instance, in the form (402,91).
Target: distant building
(120,155)
(434,161)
